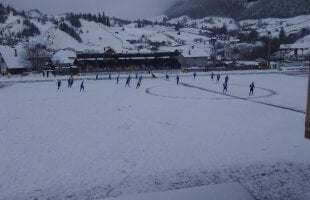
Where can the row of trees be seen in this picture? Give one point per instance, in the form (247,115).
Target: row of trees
(65,28)
(4,11)
(74,19)
(30,30)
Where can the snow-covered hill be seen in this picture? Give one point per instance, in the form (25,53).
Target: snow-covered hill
(192,38)
(240,9)
(274,25)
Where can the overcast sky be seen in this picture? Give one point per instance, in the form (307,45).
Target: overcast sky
(132,9)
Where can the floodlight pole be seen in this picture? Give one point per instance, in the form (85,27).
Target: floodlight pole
(307,124)
(268,62)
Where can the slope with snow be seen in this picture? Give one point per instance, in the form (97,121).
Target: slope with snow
(274,25)
(207,22)
(192,39)
(12,26)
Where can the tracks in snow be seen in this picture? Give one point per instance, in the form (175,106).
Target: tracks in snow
(230,96)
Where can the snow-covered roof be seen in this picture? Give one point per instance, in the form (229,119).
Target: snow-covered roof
(296,46)
(12,61)
(196,52)
(64,56)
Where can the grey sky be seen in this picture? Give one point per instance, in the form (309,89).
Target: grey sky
(132,9)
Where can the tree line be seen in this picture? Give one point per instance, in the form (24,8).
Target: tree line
(101,18)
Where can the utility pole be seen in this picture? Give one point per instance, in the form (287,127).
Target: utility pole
(307,124)
(269,35)
(212,41)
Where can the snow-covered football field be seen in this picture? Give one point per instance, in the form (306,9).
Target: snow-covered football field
(111,140)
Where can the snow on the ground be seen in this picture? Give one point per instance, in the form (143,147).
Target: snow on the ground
(158,19)
(274,25)
(207,22)
(290,91)
(233,191)
(12,24)
(111,140)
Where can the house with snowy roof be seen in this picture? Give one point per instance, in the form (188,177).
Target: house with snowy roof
(194,57)
(11,61)
(297,51)
(63,61)
(64,58)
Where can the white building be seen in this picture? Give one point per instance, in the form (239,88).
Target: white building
(11,61)
(194,57)
(64,57)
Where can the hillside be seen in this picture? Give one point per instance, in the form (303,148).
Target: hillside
(203,8)
(240,9)
(277,9)
(188,35)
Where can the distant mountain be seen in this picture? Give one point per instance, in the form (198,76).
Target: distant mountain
(277,9)
(203,8)
(240,9)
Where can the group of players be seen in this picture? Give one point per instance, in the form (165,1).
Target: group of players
(139,81)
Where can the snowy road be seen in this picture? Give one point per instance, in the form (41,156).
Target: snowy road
(111,140)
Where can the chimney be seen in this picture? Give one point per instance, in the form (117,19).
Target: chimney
(15,52)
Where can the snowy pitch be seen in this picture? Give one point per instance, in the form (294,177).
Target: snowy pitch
(111,140)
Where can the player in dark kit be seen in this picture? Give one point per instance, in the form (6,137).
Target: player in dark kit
(117,79)
(252,86)
(225,87)
(212,75)
(195,74)
(128,81)
(58,84)
(178,79)
(218,78)
(82,86)
(167,77)
(226,79)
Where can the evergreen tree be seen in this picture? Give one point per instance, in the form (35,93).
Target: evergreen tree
(3,13)
(108,22)
(282,35)
(23,13)
(89,17)
(99,18)
(177,26)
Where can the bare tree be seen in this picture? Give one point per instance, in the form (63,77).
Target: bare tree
(37,55)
